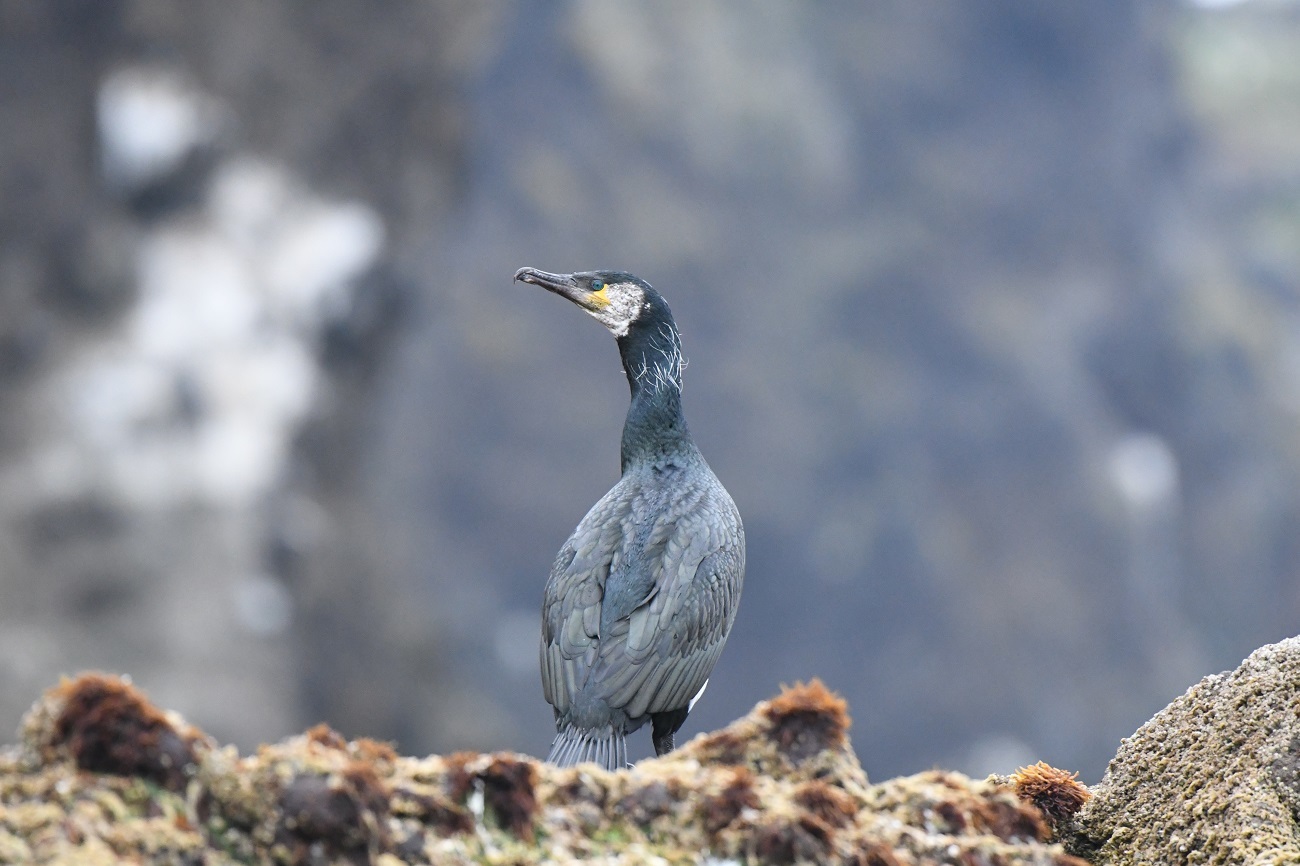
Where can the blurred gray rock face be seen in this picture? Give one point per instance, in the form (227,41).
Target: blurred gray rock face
(186,299)
(949,342)
(1013,467)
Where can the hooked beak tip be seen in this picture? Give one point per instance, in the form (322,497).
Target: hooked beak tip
(562,284)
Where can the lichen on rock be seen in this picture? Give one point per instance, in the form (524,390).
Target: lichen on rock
(101,773)
(780,785)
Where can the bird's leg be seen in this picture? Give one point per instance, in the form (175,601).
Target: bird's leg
(664,726)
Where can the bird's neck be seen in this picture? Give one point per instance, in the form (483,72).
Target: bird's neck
(655,428)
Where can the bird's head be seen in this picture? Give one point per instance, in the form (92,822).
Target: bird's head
(616,299)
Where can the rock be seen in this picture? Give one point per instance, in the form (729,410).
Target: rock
(780,785)
(1212,778)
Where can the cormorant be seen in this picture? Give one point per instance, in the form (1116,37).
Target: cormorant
(643,594)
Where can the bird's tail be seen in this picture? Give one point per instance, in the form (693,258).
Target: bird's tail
(604,746)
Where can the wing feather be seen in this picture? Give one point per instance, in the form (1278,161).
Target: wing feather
(679,563)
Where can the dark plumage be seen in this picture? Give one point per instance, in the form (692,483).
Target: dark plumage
(643,594)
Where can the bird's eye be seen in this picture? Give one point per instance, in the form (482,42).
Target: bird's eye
(597,285)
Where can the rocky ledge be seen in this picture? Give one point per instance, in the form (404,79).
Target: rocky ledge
(102,775)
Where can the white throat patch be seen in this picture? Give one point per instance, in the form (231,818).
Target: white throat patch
(625,303)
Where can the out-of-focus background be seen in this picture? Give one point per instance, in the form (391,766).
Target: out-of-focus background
(993,315)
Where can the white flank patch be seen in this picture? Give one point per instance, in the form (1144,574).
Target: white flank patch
(698,695)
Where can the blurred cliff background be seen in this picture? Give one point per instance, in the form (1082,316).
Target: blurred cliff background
(993,313)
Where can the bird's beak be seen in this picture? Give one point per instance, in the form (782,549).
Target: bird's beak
(564,285)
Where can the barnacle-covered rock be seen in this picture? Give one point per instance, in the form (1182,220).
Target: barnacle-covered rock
(1212,778)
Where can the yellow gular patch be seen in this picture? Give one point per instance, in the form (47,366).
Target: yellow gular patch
(599,300)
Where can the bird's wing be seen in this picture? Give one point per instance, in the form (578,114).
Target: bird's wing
(572,602)
(658,657)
